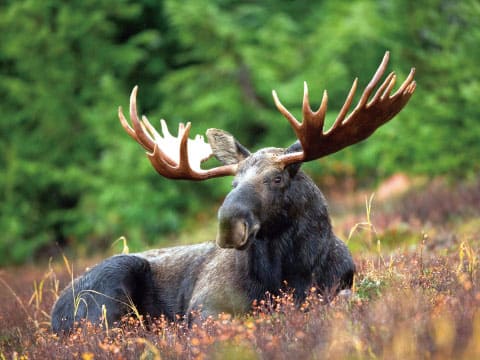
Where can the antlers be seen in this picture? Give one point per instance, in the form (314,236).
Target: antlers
(173,157)
(360,124)
(180,157)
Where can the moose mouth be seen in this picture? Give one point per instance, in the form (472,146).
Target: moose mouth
(236,234)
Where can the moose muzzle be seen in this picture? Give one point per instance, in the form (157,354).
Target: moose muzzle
(237,223)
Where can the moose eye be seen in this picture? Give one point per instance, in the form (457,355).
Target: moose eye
(277,179)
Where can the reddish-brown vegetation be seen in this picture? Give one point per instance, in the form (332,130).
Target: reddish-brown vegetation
(418,301)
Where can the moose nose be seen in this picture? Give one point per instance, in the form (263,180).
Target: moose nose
(236,217)
(235,227)
(232,234)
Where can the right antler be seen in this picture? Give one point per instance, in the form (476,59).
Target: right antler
(360,124)
(173,157)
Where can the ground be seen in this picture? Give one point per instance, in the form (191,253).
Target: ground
(416,294)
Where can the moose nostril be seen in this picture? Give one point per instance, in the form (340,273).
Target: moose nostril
(240,233)
(232,233)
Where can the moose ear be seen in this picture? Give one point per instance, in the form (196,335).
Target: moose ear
(225,147)
(293,168)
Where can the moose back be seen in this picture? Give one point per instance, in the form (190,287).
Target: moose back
(273,226)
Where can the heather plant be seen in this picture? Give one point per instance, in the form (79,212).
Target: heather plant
(433,313)
(419,301)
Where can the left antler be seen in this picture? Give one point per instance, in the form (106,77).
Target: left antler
(360,124)
(173,157)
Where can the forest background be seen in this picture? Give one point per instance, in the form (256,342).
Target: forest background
(70,178)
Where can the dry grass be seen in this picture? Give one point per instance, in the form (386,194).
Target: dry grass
(419,301)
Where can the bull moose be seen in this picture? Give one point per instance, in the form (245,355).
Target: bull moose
(273,226)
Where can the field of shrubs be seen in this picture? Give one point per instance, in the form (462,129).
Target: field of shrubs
(416,295)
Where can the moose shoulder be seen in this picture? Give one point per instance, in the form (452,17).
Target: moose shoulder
(273,226)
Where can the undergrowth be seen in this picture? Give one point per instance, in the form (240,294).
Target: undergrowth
(420,301)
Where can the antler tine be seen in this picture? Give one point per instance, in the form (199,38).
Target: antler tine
(183,132)
(408,81)
(158,139)
(143,138)
(389,87)
(384,89)
(375,79)
(131,131)
(283,110)
(150,129)
(346,106)
(127,126)
(314,120)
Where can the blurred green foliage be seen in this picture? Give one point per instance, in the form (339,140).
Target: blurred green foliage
(69,175)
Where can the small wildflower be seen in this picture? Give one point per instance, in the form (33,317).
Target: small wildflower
(87,356)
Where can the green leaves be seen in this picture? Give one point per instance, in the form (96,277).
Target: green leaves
(70,175)
(59,86)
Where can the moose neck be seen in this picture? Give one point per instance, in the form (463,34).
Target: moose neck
(286,246)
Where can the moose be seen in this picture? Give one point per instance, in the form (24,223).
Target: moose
(273,227)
